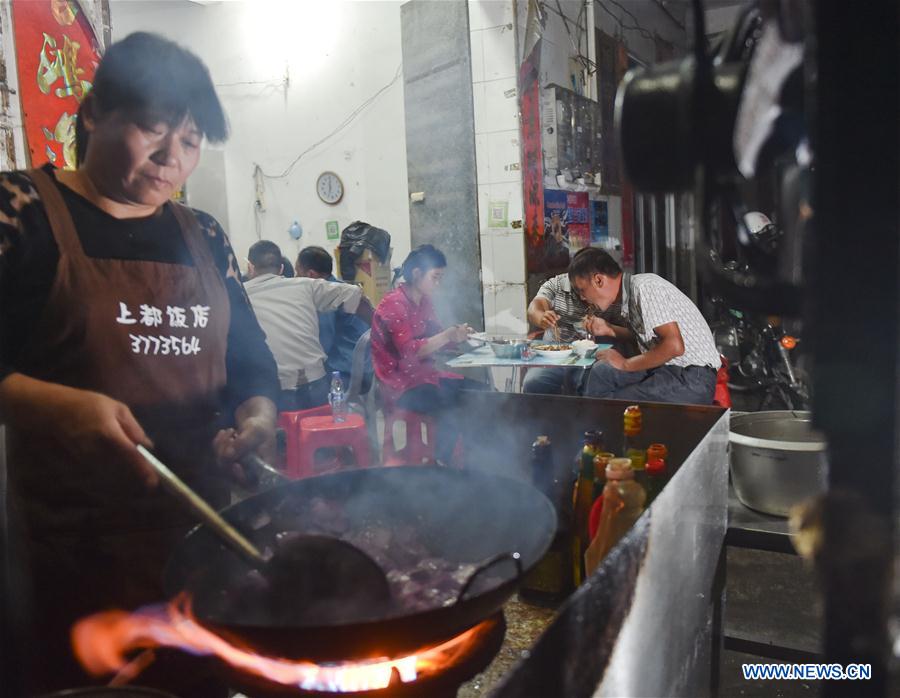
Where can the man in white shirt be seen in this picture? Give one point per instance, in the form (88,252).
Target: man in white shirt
(678,359)
(287,310)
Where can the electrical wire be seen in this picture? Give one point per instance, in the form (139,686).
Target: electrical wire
(675,20)
(586,62)
(344,124)
(629,27)
(562,14)
(628,12)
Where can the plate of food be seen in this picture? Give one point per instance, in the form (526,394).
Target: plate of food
(551,350)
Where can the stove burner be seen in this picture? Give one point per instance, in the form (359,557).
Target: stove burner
(444,683)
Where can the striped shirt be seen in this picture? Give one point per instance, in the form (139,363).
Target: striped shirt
(566,303)
(649,301)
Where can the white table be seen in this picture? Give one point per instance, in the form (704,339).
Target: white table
(483,357)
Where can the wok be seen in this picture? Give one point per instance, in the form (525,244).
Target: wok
(459,515)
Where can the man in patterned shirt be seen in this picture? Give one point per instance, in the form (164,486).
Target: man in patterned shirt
(678,359)
(558,307)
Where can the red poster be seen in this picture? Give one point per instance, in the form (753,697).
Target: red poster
(532,159)
(57,54)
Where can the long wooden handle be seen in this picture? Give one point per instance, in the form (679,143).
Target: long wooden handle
(191,500)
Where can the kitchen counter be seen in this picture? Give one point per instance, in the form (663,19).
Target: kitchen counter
(524,623)
(664,574)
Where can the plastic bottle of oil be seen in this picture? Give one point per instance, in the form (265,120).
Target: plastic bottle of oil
(601,460)
(623,502)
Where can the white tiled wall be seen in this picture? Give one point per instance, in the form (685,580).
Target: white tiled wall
(497,156)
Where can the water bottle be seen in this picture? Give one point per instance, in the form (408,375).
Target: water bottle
(337,398)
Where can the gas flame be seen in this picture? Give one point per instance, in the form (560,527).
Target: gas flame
(102,642)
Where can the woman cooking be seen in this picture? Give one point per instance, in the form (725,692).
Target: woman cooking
(122,322)
(406,335)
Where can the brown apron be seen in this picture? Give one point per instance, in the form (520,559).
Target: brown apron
(152,335)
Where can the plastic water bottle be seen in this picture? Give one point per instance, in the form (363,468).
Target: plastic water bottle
(337,398)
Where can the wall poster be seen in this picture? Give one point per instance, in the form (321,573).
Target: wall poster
(599,222)
(566,227)
(57,54)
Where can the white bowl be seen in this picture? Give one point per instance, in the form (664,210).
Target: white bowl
(583,346)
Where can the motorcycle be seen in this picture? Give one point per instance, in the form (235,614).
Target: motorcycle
(759,353)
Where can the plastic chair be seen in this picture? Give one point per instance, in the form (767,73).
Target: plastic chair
(359,401)
(417,449)
(317,433)
(361,352)
(289,422)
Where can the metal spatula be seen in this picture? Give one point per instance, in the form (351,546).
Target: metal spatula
(307,572)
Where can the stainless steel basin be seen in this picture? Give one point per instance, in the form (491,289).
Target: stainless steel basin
(777,460)
(505,348)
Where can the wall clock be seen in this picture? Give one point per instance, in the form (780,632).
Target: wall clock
(330,188)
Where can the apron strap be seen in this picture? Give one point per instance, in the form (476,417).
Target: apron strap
(61,223)
(197,246)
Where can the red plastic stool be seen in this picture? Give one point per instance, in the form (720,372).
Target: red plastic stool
(416,449)
(289,422)
(323,432)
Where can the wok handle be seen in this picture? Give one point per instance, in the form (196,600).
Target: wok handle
(190,499)
(515,557)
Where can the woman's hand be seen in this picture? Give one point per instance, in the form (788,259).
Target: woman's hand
(547,319)
(457,333)
(89,427)
(254,433)
(598,327)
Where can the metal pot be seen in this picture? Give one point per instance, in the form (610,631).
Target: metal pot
(507,348)
(460,515)
(777,460)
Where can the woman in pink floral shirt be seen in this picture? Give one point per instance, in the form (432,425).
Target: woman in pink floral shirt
(405,336)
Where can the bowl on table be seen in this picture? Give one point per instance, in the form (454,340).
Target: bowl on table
(506,347)
(584,347)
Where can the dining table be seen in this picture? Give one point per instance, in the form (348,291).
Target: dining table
(484,357)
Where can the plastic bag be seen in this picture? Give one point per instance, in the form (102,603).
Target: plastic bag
(358,237)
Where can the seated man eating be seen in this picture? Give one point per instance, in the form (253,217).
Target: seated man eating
(678,358)
(558,309)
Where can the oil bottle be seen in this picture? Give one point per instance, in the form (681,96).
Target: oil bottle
(582,499)
(623,502)
(551,579)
